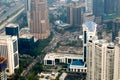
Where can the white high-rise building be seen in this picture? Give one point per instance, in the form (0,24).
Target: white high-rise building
(117,60)
(100,60)
(89,32)
(9,49)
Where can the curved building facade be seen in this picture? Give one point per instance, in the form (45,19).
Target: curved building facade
(89,32)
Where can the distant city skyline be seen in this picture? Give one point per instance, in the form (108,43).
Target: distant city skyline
(81,41)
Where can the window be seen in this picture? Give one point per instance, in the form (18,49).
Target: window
(15,46)
(49,61)
(85,37)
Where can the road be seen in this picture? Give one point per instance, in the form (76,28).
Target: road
(36,60)
(54,41)
(10,19)
(47,49)
(11,11)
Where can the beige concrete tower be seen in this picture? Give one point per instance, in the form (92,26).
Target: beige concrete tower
(39,22)
(117,59)
(74,13)
(100,60)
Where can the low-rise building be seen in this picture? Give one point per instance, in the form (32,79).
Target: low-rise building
(54,58)
(48,75)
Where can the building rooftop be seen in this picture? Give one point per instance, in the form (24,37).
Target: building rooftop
(52,56)
(7,37)
(24,31)
(78,63)
(48,75)
(111,45)
(12,25)
(91,25)
(27,36)
(69,49)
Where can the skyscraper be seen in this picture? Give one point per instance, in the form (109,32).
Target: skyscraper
(115,28)
(117,59)
(117,4)
(100,60)
(27,10)
(109,6)
(9,49)
(98,7)
(74,14)
(89,6)
(98,10)
(39,22)
(89,32)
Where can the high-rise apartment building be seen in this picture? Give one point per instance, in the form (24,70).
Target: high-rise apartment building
(39,22)
(89,32)
(100,60)
(117,59)
(9,49)
(74,14)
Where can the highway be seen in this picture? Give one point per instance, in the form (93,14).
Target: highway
(10,19)
(11,11)
(36,60)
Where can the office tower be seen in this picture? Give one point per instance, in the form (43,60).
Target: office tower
(89,6)
(39,22)
(9,49)
(100,60)
(27,10)
(117,4)
(89,31)
(12,29)
(74,14)
(98,7)
(109,6)
(98,10)
(115,28)
(26,43)
(3,66)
